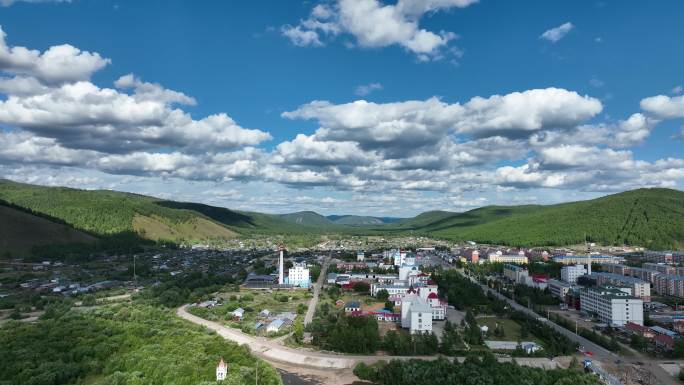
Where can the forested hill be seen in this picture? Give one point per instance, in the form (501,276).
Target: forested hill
(106,214)
(650,217)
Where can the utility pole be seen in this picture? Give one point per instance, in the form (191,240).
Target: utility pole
(256,373)
(135,278)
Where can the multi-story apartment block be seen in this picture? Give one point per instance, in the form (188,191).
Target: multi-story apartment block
(640,289)
(668,284)
(558,288)
(570,274)
(612,305)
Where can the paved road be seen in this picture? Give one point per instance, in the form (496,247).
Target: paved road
(599,353)
(317,291)
(272,351)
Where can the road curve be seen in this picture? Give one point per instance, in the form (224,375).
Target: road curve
(272,351)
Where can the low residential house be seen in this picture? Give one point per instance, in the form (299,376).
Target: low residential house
(264,313)
(287,316)
(259,326)
(527,346)
(339,303)
(662,331)
(641,330)
(277,325)
(678,323)
(664,342)
(352,306)
(238,314)
(387,316)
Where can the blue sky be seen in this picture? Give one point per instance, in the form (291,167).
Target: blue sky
(259,63)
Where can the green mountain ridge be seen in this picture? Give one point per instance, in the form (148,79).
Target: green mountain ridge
(652,218)
(362,220)
(648,217)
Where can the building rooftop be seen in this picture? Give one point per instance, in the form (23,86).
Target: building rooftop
(672,277)
(622,278)
(610,291)
(557,282)
(353,304)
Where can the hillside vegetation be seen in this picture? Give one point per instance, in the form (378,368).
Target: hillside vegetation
(104,213)
(650,217)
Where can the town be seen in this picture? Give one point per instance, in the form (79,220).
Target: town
(401,300)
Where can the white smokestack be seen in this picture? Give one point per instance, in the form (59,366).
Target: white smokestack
(280,268)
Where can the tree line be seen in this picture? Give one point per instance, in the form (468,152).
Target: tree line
(473,371)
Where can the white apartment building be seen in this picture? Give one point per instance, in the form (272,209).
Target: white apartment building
(430,295)
(612,305)
(416,314)
(570,274)
(499,257)
(298,275)
(558,288)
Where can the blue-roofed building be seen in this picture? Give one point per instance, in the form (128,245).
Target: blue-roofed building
(663,331)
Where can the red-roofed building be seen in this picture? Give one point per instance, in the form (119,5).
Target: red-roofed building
(387,316)
(639,330)
(540,278)
(348,286)
(664,342)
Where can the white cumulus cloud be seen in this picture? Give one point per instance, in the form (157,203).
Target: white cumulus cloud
(374,24)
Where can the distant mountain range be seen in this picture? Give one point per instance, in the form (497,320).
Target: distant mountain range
(35,215)
(313,218)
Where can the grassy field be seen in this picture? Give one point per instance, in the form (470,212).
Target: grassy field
(254,301)
(510,327)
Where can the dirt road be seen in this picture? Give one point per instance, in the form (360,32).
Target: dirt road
(272,351)
(317,291)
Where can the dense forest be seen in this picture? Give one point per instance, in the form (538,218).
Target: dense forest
(649,217)
(474,371)
(122,345)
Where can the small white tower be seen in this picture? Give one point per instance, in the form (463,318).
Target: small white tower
(589,264)
(221,370)
(281,268)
